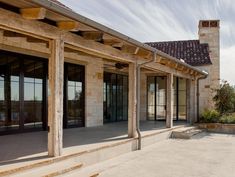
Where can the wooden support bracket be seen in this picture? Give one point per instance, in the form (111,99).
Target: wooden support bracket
(33,13)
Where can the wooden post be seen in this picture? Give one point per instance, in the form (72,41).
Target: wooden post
(170,101)
(55,98)
(132,101)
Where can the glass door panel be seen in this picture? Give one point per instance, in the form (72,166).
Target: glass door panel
(151,98)
(74,96)
(33,93)
(9,93)
(115,97)
(156,97)
(182,99)
(161,98)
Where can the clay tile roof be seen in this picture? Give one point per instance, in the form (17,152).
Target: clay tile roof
(191,51)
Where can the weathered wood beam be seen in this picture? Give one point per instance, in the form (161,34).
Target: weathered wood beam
(68,25)
(180,67)
(159,58)
(130,49)
(166,69)
(191,72)
(46,31)
(92,35)
(33,13)
(55,98)
(112,41)
(75,52)
(186,70)
(144,53)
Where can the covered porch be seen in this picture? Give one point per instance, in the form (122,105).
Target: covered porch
(97,50)
(22,149)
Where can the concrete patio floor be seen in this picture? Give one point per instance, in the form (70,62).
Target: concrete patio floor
(205,155)
(20,149)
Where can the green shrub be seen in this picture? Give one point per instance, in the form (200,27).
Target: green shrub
(227,119)
(210,116)
(225,98)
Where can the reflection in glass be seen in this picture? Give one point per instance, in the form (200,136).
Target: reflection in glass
(21,91)
(9,93)
(151,97)
(115,97)
(74,96)
(156,98)
(33,91)
(180,98)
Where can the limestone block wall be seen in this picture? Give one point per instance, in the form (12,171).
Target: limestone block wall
(94,93)
(205,91)
(210,34)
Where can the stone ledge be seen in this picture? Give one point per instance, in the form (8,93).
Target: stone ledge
(218,127)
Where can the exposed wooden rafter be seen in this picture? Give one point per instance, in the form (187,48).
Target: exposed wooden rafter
(144,53)
(33,13)
(92,35)
(112,41)
(130,49)
(68,25)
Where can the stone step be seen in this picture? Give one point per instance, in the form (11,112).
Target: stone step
(185,133)
(52,170)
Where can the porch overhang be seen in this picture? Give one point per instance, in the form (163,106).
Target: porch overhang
(67,20)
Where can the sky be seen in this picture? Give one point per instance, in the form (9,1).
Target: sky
(166,20)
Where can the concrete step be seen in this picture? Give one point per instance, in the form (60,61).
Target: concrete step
(52,170)
(185,133)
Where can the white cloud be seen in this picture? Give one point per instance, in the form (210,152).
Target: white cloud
(162,20)
(227,64)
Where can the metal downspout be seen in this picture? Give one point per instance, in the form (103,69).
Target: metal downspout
(138,96)
(200,78)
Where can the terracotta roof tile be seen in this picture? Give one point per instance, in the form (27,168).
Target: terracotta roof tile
(191,51)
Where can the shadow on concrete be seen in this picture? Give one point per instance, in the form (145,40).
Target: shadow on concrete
(24,147)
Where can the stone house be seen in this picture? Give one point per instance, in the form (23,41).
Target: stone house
(204,54)
(59,69)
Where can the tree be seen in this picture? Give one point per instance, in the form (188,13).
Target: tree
(225,98)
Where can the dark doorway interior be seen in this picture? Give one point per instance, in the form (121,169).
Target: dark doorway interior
(74,95)
(115,97)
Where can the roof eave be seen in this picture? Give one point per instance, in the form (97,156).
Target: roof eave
(77,17)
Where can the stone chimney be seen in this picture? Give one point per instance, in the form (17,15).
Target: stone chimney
(209,33)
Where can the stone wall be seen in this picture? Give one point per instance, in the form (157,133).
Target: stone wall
(209,33)
(94,93)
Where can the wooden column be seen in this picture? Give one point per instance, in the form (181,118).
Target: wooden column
(170,101)
(132,101)
(55,98)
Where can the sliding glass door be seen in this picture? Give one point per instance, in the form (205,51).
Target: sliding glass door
(115,97)
(180,92)
(156,98)
(22,92)
(74,98)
